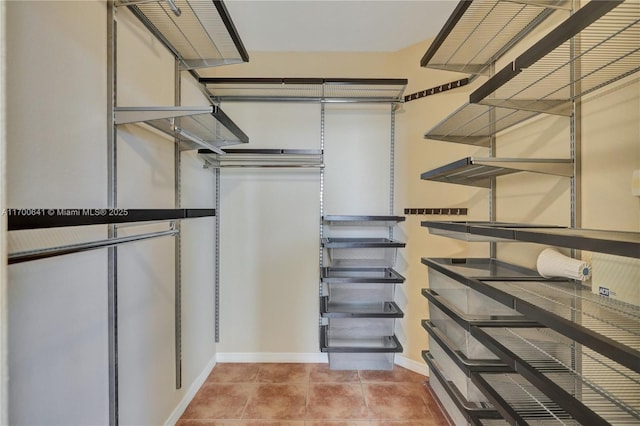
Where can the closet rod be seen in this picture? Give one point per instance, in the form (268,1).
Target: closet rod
(30,255)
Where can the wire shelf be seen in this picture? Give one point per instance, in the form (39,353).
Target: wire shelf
(196,127)
(299,158)
(519,401)
(473,124)
(478,32)
(607,326)
(598,392)
(475,171)
(540,79)
(200,35)
(305,89)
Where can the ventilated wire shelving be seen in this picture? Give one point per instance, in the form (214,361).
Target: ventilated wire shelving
(478,32)
(599,392)
(305,89)
(199,33)
(608,326)
(519,401)
(553,72)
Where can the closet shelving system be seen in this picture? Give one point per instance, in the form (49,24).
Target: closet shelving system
(580,364)
(198,34)
(276,89)
(343,302)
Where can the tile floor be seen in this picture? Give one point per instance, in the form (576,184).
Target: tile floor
(311,395)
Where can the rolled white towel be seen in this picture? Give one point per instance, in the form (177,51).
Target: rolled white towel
(552,263)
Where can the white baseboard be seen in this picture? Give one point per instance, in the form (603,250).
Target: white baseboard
(191,392)
(402,361)
(272,357)
(409,364)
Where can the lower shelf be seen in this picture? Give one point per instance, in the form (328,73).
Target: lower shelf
(519,402)
(594,390)
(363,353)
(460,411)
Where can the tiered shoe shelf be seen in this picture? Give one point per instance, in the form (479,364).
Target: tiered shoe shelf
(357,295)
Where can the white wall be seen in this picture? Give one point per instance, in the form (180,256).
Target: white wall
(269,241)
(56,133)
(57,151)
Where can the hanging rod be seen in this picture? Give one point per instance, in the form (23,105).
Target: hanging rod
(30,255)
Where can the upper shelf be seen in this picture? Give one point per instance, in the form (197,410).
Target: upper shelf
(298,158)
(476,171)
(197,127)
(478,32)
(474,124)
(540,79)
(200,33)
(306,89)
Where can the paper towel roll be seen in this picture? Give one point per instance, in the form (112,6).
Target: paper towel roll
(551,264)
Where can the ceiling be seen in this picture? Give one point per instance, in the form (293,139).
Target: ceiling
(337,25)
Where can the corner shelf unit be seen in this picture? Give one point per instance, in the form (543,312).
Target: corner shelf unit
(199,33)
(357,310)
(385,90)
(478,32)
(475,171)
(196,127)
(583,367)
